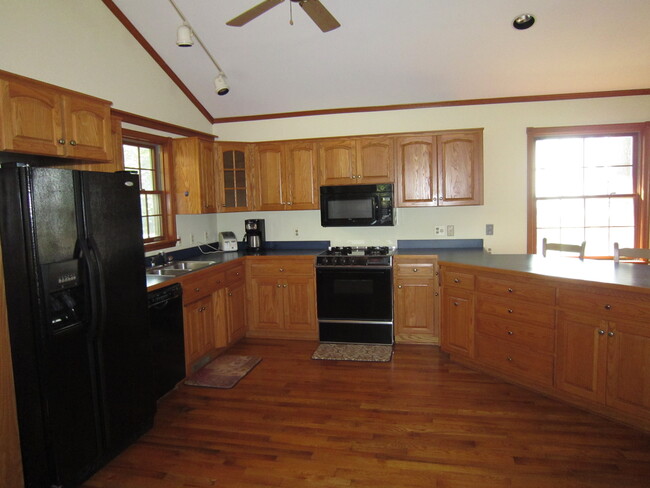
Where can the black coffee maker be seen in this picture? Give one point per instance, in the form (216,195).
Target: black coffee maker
(254,238)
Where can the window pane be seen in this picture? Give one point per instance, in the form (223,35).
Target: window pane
(147,180)
(241,198)
(130,156)
(228,160)
(559,154)
(155,227)
(609,151)
(153,205)
(240,160)
(229,179)
(573,212)
(146,158)
(241,179)
(549,213)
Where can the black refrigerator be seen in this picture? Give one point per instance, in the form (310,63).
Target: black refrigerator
(78,325)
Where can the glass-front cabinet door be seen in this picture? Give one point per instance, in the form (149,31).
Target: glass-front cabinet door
(234,177)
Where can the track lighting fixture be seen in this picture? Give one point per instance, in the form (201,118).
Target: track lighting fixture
(221,84)
(184,36)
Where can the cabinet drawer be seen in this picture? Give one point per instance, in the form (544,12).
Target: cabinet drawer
(517,310)
(280,268)
(198,287)
(415,270)
(234,275)
(458,279)
(541,339)
(609,306)
(518,361)
(530,291)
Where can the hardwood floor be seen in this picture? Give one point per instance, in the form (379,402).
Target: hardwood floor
(417,421)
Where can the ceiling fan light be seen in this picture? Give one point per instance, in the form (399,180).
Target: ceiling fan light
(184,36)
(523,21)
(221,84)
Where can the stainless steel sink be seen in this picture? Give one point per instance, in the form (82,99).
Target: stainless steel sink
(178,268)
(188,265)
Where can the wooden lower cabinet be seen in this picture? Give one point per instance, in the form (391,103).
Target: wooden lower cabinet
(458,322)
(416,300)
(282,298)
(198,318)
(235,295)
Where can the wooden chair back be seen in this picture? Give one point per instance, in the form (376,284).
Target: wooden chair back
(553,246)
(630,252)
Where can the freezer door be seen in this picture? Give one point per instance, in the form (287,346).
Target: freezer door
(111,209)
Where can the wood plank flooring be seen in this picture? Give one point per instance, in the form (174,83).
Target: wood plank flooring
(417,421)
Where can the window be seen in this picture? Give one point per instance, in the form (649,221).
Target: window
(148,155)
(587,184)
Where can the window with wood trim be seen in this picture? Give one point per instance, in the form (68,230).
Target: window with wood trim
(149,156)
(588,184)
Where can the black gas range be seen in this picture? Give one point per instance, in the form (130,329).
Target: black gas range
(356,256)
(355,294)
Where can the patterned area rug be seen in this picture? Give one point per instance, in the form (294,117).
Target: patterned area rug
(223,372)
(354,352)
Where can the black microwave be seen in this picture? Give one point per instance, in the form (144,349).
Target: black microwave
(356,205)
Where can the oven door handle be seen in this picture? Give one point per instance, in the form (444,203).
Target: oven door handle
(356,268)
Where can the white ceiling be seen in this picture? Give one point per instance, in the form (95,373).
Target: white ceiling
(390,52)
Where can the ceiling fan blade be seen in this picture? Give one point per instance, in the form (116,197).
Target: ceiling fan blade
(320,15)
(253,13)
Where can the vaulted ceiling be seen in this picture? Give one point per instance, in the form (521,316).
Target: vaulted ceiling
(394,52)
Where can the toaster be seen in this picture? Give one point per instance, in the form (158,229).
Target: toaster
(227,241)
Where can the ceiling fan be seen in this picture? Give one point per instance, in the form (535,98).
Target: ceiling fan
(318,13)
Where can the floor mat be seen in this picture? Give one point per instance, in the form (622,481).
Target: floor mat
(354,352)
(223,372)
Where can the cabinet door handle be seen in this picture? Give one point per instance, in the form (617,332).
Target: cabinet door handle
(399,286)
(509,332)
(284,286)
(509,358)
(510,290)
(456,280)
(61,141)
(510,310)
(456,304)
(73,142)
(610,333)
(601,332)
(415,270)
(608,307)
(281,270)
(435,294)
(197,289)
(278,285)
(229,293)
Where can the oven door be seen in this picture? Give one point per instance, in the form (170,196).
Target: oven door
(355,293)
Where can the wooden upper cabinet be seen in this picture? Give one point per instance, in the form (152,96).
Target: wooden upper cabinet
(337,161)
(194,176)
(375,160)
(460,169)
(417,183)
(286,176)
(356,161)
(38,118)
(234,176)
(442,169)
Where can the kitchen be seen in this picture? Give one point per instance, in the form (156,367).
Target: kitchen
(504,144)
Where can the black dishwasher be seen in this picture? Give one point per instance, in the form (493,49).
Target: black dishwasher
(167,338)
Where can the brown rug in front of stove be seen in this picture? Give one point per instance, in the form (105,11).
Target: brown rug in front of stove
(223,372)
(354,352)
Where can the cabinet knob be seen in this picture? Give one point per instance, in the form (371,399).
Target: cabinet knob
(415,270)
(73,142)
(510,310)
(354,177)
(278,285)
(289,203)
(197,289)
(435,294)
(281,270)
(399,286)
(456,304)
(358,176)
(601,332)
(435,199)
(218,282)
(456,280)
(509,358)
(202,309)
(229,293)
(510,290)
(509,332)
(61,141)
(284,286)
(237,273)
(608,307)
(610,333)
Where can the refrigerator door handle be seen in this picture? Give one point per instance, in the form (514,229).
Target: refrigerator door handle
(97,287)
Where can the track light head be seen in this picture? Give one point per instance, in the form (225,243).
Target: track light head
(184,36)
(221,84)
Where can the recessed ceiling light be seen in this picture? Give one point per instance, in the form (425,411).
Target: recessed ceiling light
(523,21)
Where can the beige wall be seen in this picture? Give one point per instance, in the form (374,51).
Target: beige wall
(504,158)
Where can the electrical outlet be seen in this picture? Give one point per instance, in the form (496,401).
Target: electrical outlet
(489,229)
(439,230)
(450,230)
